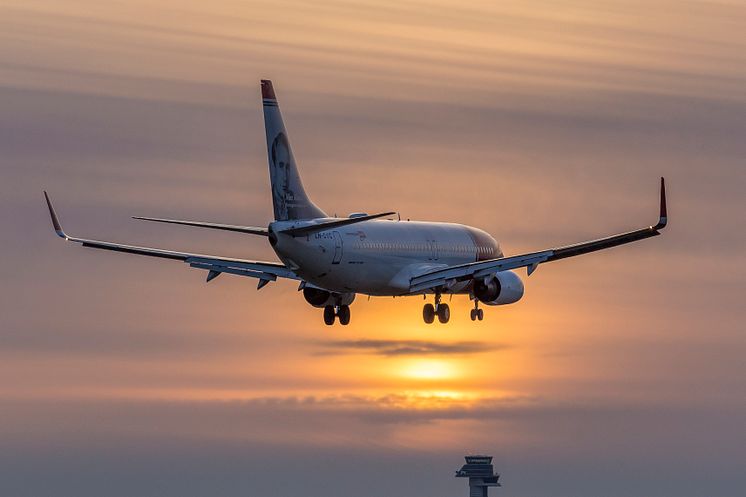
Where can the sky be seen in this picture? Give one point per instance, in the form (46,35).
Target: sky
(620,373)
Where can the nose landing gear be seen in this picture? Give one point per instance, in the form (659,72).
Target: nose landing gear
(476,313)
(332,312)
(441,310)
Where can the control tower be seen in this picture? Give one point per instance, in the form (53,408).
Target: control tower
(481,475)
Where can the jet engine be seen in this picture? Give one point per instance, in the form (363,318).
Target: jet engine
(321,298)
(504,287)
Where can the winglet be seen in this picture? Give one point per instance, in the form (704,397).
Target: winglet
(663,216)
(55,220)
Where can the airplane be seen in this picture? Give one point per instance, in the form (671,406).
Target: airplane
(334,259)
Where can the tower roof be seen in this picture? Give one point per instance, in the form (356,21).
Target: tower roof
(477,459)
(480,467)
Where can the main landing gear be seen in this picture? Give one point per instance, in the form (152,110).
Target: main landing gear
(441,310)
(342,311)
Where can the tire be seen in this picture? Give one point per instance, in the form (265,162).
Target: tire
(480,314)
(473,314)
(344,315)
(444,313)
(329,315)
(428,313)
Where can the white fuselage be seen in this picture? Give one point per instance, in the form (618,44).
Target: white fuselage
(379,257)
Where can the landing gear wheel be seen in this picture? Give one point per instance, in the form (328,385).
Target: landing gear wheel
(344,315)
(473,314)
(444,313)
(329,315)
(428,313)
(480,314)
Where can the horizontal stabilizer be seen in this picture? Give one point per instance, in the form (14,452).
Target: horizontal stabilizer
(252,230)
(315,228)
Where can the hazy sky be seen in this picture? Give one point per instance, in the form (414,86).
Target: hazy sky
(620,373)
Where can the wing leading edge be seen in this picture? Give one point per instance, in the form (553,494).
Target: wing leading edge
(264,271)
(462,272)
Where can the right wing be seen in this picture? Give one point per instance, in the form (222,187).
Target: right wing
(443,277)
(264,271)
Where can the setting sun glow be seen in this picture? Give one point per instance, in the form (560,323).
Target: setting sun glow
(429,369)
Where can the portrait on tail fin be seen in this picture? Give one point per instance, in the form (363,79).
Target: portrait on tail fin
(279,172)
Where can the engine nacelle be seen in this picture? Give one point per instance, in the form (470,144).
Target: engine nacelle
(504,287)
(321,298)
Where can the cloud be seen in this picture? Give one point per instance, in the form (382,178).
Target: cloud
(393,348)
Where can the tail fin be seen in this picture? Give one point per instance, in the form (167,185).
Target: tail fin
(288,196)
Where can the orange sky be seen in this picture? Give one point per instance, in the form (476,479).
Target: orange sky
(541,122)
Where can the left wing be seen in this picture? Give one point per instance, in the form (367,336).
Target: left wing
(264,271)
(445,276)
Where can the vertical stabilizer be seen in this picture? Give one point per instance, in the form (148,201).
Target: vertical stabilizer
(288,196)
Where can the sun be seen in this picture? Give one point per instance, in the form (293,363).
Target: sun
(429,369)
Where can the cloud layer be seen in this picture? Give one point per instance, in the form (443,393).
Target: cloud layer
(392,348)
